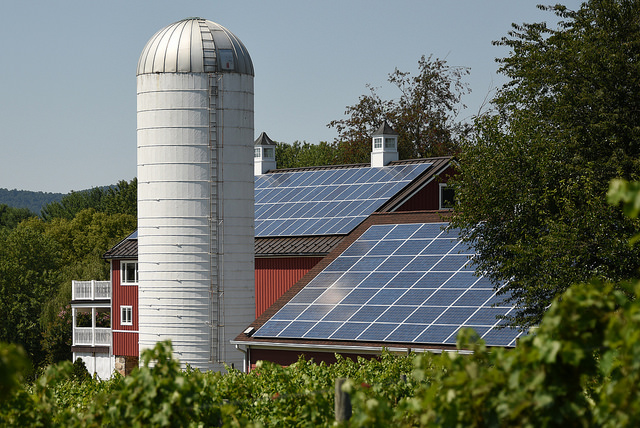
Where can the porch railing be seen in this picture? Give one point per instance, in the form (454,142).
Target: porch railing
(89,336)
(91,290)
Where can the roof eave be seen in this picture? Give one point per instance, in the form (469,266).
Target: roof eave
(338,347)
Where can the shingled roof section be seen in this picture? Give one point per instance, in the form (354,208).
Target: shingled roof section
(125,249)
(296,245)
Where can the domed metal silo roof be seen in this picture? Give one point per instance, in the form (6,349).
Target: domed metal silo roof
(194,45)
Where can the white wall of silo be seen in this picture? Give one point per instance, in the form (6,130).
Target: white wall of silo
(196,268)
(237,134)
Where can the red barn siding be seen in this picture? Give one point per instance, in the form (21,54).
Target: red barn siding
(427,198)
(125,337)
(125,343)
(274,276)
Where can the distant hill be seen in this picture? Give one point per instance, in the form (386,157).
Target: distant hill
(34,201)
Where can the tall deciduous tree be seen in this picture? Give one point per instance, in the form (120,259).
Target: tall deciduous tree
(534,175)
(118,199)
(298,154)
(29,275)
(424,114)
(10,216)
(38,261)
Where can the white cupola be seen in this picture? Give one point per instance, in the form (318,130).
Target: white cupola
(384,146)
(264,155)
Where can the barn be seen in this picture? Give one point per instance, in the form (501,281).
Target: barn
(349,259)
(354,259)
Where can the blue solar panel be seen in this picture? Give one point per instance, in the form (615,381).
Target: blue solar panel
(293,203)
(377,280)
(405,333)
(384,296)
(377,330)
(408,283)
(396,314)
(349,331)
(315,312)
(322,330)
(341,313)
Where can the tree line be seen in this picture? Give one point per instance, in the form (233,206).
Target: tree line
(32,201)
(40,256)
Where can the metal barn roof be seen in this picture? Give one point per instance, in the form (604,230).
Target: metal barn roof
(125,249)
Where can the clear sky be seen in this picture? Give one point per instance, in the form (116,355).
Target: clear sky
(68,84)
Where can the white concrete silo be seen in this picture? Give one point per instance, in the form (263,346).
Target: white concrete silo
(195,192)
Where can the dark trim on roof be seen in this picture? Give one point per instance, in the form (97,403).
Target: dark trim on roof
(125,249)
(375,218)
(341,346)
(89,348)
(297,246)
(89,302)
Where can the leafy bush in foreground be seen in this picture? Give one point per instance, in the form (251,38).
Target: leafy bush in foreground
(581,368)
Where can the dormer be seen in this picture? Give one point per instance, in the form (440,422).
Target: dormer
(264,155)
(384,146)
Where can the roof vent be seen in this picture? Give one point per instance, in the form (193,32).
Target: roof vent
(264,155)
(384,146)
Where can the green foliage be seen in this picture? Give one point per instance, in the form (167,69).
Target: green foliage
(80,372)
(73,203)
(122,198)
(160,394)
(424,114)
(29,276)
(118,199)
(10,217)
(13,366)
(81,242)
(38,261)
(534,174)
(56,337)
(305,154)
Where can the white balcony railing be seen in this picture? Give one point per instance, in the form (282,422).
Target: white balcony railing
(91,290)
(90,336)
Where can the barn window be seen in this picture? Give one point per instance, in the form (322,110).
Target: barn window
(446,197)
(129,272)
(126,315)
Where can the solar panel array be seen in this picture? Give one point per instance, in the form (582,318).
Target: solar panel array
(404,283)
(325,202)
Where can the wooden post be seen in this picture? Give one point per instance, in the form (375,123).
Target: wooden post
(342,402)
